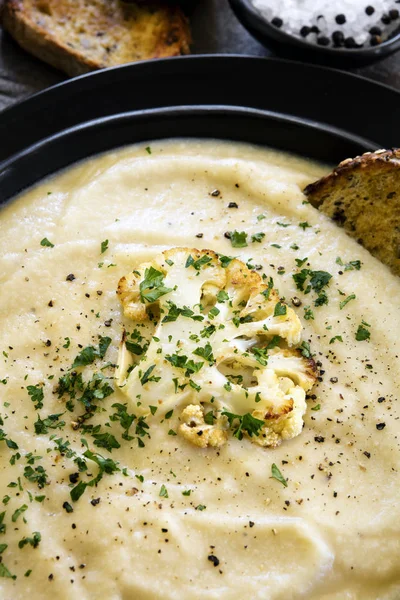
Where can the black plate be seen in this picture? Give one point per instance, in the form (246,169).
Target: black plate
(51,129)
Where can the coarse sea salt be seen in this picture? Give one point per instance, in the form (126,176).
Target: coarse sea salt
(346,23)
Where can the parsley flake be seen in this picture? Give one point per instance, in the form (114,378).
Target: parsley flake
(45,242)
(152,286)
(276,474)
(238,239)
(163,492)
(346,300)
(362,332)
(280,309)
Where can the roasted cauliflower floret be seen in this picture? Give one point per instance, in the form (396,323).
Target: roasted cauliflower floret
(221,336)
(194,429)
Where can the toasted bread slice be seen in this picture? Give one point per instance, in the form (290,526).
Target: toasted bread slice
(78,36)
(363,196)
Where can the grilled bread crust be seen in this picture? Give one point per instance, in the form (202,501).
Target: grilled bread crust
(362,195)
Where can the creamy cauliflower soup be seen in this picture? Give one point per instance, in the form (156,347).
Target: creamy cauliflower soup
(199,382)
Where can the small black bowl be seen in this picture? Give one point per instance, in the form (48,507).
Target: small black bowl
(289,46)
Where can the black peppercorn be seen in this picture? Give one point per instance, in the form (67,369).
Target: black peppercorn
(323,40)
(338,38)
(277,22)
(214,560)
(350,42)
(304,31)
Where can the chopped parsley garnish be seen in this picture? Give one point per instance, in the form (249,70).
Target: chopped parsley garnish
(280,309)
(300,261)
(17,513)
(106,465)
(225,260)
(148,149)
(163,492)
(350,266)
(209,418)
(147,375)
(238,239)
(222,296)
(103,246)
(213,312)
(186,493)
(305,350)
(4,572)
(45,242)
(317,281)
(208,331)
(304,225)
(50,422)
(206,353)
(241,423)
(200,262)
(337,337)
(258,237)
(316,407)
(77,491)
(175,311)
(266,293)
(34,541)
(125,418)
(136,349)
(276,339)
(182,362)
(362,332)
(152,287)
(86,357)
(276,474)
(36,475)
(36,394)
(346,300)
(308,314)
(89,354)
(261,355)
(106,440)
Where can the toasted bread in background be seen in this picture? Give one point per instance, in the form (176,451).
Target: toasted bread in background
(78,36)
(363,196)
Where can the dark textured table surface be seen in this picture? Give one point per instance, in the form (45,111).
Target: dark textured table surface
(215,30)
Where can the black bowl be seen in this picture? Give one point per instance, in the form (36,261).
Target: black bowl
(306,138)
(295,48)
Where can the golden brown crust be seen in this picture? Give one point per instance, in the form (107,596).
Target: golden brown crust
(366,163)
(77,38)
(362,195)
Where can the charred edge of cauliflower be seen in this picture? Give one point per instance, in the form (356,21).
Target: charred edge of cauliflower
(250,297)
(196,431)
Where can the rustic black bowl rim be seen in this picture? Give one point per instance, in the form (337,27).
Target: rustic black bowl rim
(85,140)
(327,96)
